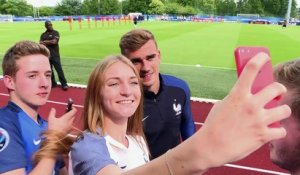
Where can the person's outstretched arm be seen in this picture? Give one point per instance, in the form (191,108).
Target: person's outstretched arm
(236,126)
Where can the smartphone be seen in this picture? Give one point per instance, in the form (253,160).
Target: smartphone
(264,76)
(69,105)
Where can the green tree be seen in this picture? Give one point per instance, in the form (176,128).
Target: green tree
(156,7)
(239,6)
(138,6)
(256,7)
(90,7)
(17,8)
(108,7)
(294,10)
(186,2)
(172,8)
(208,6)
(243,6)
(188,10)
(271,7)
(2,2)
(46,11)
(68,7)
(125,6)
(226,7)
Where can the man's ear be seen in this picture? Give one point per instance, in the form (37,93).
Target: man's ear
(9,82)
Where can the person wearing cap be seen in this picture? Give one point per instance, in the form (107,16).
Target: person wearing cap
(50,39)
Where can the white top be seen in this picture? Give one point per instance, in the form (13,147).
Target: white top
(135,155)
(92,152)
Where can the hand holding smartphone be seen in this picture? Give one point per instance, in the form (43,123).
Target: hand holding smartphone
(263,78)
(69,105)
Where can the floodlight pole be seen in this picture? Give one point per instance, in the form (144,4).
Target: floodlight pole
(33,11)
(288,14)
(121,7)
(98,7)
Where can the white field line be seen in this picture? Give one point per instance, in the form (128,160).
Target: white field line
(256,169)
(62,103)
(50,101)
(206,100)
(199,123)
(171,64)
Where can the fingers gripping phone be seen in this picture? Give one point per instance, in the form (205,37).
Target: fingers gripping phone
(263,78)
(69,105)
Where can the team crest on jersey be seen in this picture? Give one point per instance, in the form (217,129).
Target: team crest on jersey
(121,165)
(4,139)
(177,108)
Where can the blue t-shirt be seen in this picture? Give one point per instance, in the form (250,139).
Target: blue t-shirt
(89,154)
(20,139)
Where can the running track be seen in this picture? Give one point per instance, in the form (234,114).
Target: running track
(257,163)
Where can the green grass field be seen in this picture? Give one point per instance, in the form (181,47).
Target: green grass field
(182,45)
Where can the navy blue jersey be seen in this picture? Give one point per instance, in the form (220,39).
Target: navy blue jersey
(167,115)
(19,139)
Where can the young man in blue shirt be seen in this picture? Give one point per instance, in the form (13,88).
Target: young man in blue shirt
(27,77)
(167,109)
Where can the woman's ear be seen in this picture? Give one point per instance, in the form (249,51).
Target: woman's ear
(9,82)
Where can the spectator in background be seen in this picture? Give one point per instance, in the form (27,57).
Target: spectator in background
(27,77)
(50,39)
(284,23)
(135,20)
(286,152)
(167,110)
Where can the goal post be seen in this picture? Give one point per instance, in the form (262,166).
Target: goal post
(6,18)
(251,16)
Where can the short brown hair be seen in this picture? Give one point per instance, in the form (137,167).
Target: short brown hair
(21,49)
(135,39)
(288,74)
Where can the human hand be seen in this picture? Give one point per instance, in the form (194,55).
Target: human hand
(239,124)
(63,123)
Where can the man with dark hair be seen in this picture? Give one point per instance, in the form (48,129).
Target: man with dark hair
(167,109)
(286,152)
(50,39)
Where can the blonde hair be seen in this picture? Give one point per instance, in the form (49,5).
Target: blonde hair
(54,143)
(93,108)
